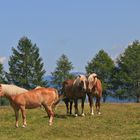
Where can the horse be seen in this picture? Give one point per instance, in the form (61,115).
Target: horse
(22,99)
(74,89)
(94,90)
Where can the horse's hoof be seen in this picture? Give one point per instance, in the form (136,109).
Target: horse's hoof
(92,114)
(83,115)
(23,126)
(76,115)
(99,113)
(16,126)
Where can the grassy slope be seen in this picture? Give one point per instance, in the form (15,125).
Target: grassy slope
(117,122)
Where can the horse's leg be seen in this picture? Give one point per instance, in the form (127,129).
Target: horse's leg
(71,102)
(50,113)
(91,104)
(76,107)
(23,116)
(98,105)
(16,116)
(67,105)
(82,106)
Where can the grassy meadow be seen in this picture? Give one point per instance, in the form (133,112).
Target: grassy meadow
(117,122)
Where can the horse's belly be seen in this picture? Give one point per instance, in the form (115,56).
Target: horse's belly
(32,105)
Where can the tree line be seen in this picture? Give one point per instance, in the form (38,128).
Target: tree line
(120,78)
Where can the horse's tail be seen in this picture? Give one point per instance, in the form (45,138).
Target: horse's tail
(59,98)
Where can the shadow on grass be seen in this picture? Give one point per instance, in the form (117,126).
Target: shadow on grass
(61,116)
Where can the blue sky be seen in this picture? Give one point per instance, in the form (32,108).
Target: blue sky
(76,28)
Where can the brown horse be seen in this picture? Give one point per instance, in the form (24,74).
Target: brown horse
(94,90)
(74,90)
(21,99)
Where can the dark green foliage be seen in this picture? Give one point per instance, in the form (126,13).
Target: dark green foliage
(2,74)
(103,66)
(26,66)
(129,70)
(3,101)
(62,71)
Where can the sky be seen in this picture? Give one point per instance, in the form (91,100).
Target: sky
(76,28)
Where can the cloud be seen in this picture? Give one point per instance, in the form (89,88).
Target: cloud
(2,59)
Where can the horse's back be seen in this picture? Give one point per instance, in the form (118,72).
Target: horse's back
(48,93)
(70,91)
(37,96)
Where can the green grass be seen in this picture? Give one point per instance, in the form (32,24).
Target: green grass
(117,122)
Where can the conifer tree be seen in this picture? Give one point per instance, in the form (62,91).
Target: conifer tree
(2,78)
(26,66)
(129,71)
(102,65)
(62,71)
(3,101)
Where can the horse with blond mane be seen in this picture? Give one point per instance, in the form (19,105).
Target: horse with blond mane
(22,99)
(94,90)
(74,89)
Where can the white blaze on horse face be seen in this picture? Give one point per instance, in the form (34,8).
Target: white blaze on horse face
(84,79)
(79,79)
(92,79)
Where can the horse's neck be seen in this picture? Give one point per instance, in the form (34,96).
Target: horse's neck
(75,88)
(10,97)
(12,90)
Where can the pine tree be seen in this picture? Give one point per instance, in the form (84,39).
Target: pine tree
(129,69)
(62,71)
(3,101)
(2,78)
(26,66)
(103,66)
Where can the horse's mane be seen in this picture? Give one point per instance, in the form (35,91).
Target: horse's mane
(9,89)
(91,77)
(38,87)
(78,79)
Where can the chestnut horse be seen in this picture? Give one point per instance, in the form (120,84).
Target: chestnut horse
(94,90)
(21,99)
(74,90)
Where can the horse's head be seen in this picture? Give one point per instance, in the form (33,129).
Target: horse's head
(92,79)
(81,82)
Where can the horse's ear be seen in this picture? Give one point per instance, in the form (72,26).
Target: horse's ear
(79,76)
(87,75)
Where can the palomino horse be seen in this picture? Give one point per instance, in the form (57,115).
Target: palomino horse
(22,99)
(74,90)
(94,90)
